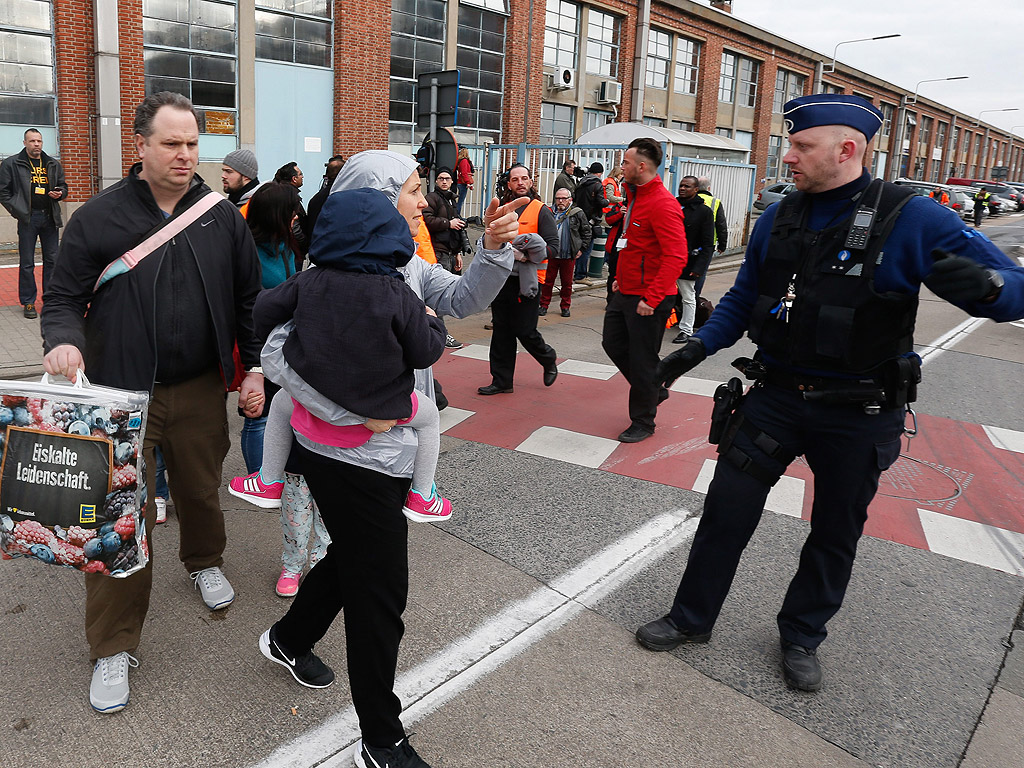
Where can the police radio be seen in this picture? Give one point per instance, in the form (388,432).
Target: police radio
(860,229)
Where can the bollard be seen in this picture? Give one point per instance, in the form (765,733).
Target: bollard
(596,266)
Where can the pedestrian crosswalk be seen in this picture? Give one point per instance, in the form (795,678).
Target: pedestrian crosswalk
(954,492)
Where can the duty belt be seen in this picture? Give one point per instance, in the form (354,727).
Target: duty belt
(826,389)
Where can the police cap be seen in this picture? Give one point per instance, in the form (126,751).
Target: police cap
(832,109)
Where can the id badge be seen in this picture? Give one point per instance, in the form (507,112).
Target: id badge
(40,190)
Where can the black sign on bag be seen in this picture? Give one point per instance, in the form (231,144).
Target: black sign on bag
(55,479)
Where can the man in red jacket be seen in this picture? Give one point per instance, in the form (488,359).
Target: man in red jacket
(651,246)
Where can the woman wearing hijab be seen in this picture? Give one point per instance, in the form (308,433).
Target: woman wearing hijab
(361,490)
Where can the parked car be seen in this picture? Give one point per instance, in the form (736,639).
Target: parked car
(962,203)
(925,188)
(772,194)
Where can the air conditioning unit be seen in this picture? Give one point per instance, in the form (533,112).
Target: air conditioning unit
(610,92)
(563,78)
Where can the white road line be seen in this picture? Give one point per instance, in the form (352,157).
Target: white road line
(451,416)
(973,542)
(587,370)
(473,351)
(17,266)
(694,386)
(1010,439)
(565,445)
(949,340)
(507,634)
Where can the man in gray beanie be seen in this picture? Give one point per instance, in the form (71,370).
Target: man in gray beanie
(239,174)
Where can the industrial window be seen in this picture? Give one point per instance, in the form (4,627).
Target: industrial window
(557,123)
(654,122)
(887,112)
(687,65)
(829,88)
(595,118)
(659,57)
(774,160)
(297,31)
(727,78)
(750,70)
(682,125)
(26,62)
(561,34)
(603,43)
(189,47)
(940,135)
(925,134)
(788,86)
(417,45)
(481,61)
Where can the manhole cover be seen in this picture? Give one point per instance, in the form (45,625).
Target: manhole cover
(910,478)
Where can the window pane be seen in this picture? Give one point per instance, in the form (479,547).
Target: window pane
(166,64)
(170,10)
(210,68)
(273,48)
(156,32)
(213,14)
(213,40)
(274,24)
(213,94)
(25,49)
(157,84)
(25,78)
(313,31)
(26,110)
(29,14)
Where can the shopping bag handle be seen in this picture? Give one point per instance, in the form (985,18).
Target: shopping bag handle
(80,381)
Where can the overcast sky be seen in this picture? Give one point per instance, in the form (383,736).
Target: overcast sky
(939,38)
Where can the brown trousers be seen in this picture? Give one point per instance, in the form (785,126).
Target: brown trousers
(188,421)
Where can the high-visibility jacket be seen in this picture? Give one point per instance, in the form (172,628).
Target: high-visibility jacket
(615,192)
(425,249)
(529,221)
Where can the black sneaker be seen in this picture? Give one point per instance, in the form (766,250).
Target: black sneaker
(402,755)
(800,667)
(451,342)
(307,669)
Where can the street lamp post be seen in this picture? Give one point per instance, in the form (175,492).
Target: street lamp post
(983,160)
(822,68)
(913,99)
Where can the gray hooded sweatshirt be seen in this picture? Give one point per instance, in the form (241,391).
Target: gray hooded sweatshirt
(392,452)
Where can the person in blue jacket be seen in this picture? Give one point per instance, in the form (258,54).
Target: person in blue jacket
(829,293)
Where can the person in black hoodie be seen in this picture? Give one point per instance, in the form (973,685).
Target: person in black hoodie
(699,223)
(442,219)
(589,197)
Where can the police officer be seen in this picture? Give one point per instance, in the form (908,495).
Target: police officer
(829,293)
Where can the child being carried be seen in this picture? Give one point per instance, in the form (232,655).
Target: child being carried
(359,334)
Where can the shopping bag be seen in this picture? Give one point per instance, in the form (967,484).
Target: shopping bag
(71,475)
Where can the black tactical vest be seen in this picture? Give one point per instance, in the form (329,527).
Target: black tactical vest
(836,321)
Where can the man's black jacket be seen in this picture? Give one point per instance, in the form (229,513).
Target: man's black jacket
(180,310)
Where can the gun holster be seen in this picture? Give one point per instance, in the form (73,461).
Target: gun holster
(899,378)
(728,397)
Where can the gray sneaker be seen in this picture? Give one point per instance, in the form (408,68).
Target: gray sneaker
(214,587)
(108,692)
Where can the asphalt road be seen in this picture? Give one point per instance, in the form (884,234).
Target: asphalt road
(519,647)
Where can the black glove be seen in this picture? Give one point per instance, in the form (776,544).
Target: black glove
(958,279)
(684,359)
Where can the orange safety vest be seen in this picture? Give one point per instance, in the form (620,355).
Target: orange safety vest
(425,249)
(615,191)
(529,221)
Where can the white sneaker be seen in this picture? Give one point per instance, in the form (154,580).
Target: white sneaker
(214,588)
(108,692)
(161,510)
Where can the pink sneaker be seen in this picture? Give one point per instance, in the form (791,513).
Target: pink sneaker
(255,491)
(288,584)
(432,510)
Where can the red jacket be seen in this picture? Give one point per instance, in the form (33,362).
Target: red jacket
(655,243)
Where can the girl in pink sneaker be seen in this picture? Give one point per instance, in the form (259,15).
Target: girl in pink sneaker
(358,333)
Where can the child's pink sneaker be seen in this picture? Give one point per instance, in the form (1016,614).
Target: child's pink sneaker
(288,584)
(251,488)
(432,510)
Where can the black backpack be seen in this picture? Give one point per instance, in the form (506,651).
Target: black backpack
(589,197)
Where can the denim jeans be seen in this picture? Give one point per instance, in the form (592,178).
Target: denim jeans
(40,226)
(463,191)
(161,489)
(252,443)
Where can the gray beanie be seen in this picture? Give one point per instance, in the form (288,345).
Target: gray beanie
(243,161)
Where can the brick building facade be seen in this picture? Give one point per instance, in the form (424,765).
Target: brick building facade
(687,66)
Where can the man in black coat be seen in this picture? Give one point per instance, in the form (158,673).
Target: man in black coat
(31,188)
(167,326)
(699,223)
